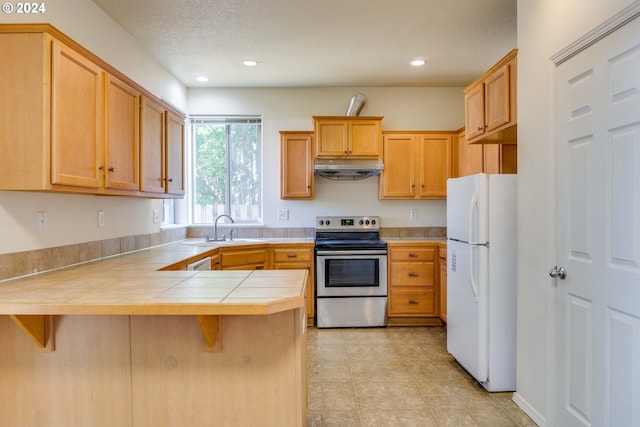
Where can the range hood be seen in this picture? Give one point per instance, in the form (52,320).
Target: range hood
(348,169)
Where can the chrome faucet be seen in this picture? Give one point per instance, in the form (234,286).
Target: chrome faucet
(215,228)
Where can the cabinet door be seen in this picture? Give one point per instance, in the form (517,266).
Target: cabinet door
(122,135)
(470,157)
(398,178)
(332,138)
(497,103)
(364,138)
(443,285)
(296,165)
(174,160)
(500,158)
(151,147)
(474,112)
(435,165)
(76,119)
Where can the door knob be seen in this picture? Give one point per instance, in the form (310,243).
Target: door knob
(559,272)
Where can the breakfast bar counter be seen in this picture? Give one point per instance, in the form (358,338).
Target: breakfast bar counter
(117,342)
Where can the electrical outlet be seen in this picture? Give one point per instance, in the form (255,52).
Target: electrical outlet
(100,218)
(283,214)
(42,222)
(156,216)
(413,213)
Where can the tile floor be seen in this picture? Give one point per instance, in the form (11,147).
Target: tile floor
(397,377)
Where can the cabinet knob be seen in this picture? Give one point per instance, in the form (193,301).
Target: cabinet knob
(111,169)
(413,274)
(480,127)
(413,255)
(169,179)
(413,301)
(102,168)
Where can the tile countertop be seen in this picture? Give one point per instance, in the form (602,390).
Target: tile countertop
(130,284)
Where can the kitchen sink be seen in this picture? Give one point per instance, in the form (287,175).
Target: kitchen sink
(202,242)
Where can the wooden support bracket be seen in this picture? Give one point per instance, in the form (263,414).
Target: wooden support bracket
(211,327)
(37,327)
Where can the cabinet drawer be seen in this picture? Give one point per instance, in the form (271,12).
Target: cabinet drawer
(412,274)
(403,302)
(412,254)
(292,255)
(232,259)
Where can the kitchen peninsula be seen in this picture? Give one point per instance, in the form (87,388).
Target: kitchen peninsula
(117,342)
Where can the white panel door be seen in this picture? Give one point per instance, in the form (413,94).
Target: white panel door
(598,223)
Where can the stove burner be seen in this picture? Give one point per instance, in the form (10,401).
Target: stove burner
(348,233)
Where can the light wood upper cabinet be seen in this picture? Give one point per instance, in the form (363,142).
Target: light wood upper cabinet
(174,158)
(398,179)
(488,158)
(348,136)
(161,150)
(491,104)
(416,165)
(69,122)
(500,158)
(76,119)
(152,147)
(122,135)
(296,165)
(470,157)
(435,165)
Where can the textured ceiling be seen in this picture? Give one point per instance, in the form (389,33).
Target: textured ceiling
(321,42)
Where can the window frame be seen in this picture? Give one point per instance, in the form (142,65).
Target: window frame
(227,120)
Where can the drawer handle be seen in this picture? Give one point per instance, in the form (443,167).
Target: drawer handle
(292,255)
(413,274)
(413,301)
(413,255)
(259,267)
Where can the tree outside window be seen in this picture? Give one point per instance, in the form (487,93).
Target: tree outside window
(226,168)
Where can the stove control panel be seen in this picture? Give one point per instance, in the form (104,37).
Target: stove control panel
(345,223)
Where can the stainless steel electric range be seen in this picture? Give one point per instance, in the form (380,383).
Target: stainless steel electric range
(351,272)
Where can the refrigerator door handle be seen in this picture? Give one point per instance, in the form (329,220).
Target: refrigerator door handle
(472,279)
(472,205)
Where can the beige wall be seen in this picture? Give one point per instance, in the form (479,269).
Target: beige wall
(544,28)
(293,108)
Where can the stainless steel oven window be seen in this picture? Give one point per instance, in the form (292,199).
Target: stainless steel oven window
(343,272)
(377,287)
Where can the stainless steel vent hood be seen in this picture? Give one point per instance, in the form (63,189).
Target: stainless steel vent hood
(348,169)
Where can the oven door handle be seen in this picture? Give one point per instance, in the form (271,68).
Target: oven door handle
(356,252)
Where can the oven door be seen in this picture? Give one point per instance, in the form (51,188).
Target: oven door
(351,273)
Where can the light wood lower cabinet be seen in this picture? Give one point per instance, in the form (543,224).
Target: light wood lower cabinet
(294,257)
(442,255)
(245,258)
(413,289)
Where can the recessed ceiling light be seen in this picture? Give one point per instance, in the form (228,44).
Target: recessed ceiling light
(418,62)
(202,79)
(250,63)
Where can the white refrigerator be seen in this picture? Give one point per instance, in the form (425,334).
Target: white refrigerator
(481,277)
